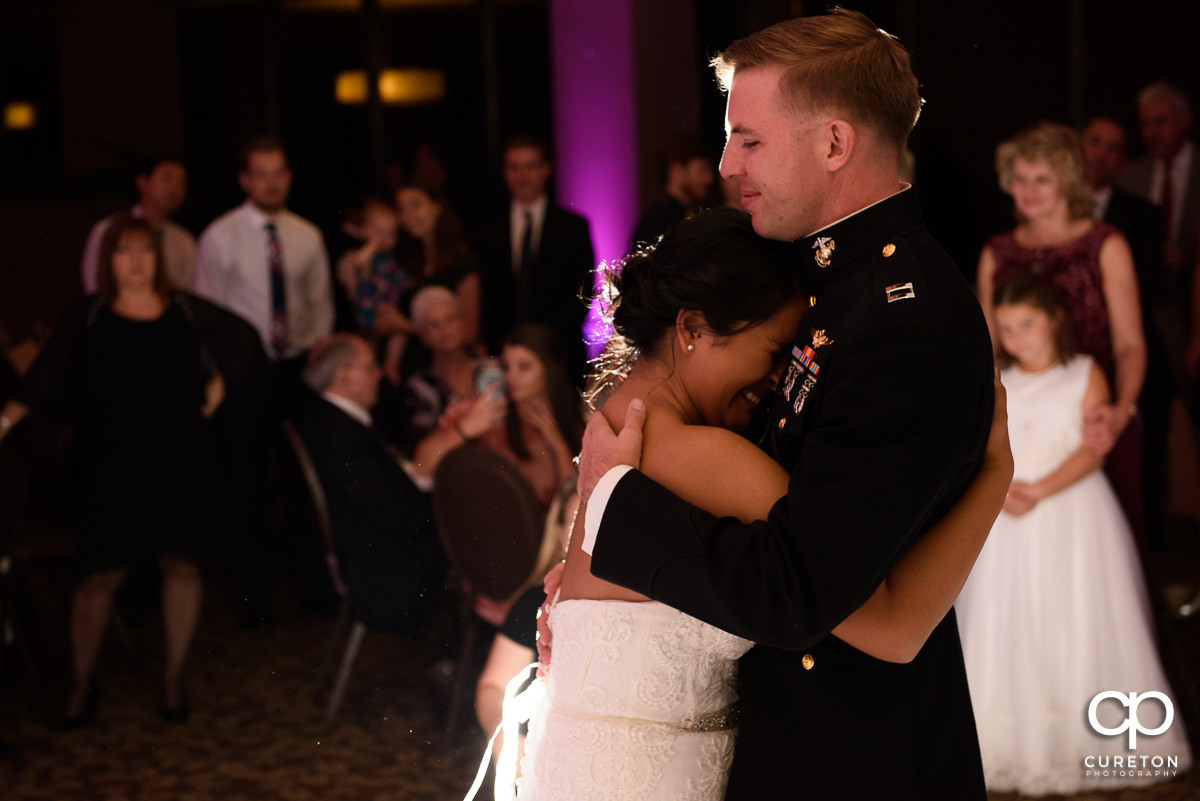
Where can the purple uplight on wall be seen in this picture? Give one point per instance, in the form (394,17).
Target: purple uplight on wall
(595,122)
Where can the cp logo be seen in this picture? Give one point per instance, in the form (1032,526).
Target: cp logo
(1131,722)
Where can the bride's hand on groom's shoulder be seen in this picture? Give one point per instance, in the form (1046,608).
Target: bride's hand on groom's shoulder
(603,449)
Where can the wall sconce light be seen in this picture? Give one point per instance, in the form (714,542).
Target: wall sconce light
(397,87)
(19,116)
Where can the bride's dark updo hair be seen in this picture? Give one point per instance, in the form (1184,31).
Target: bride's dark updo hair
(712,263)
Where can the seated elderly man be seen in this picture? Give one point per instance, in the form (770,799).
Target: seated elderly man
(383,528)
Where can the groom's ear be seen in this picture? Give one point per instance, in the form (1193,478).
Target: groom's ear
(839,143)
(689,326)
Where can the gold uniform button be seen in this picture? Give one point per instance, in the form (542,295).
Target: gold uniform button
(888,250)
(808,661)
(782,423)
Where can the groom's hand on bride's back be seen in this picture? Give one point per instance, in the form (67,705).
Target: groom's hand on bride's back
(603,450)
(551,582)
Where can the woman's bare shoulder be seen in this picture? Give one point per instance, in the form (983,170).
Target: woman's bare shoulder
(713,468)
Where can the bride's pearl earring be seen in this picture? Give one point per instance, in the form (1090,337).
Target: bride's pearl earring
(691,347)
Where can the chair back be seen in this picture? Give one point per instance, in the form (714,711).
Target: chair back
(14,496)
(316,500)
(489,520)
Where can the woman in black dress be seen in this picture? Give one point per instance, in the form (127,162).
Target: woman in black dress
(131,370)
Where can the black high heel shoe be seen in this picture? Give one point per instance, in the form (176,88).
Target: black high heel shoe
(69,723)
(174,715)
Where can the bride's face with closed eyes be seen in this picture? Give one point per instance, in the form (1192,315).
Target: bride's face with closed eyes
(728,377)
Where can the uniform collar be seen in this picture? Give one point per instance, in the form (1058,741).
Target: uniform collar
(823,253)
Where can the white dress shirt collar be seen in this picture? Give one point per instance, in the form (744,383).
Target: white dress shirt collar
(537,207)
(349,407)
(1100,200)
(258,217)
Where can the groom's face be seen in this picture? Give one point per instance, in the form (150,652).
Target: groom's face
(776,152)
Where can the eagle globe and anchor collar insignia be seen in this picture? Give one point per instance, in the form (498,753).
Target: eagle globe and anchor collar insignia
(824,247)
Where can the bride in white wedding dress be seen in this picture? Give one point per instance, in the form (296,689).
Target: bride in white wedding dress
(640,702)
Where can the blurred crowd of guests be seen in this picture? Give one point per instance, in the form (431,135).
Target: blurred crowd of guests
(422,335)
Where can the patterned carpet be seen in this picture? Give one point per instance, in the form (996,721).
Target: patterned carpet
(257,730)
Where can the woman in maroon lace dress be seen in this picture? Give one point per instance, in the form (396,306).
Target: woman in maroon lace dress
(1091,265)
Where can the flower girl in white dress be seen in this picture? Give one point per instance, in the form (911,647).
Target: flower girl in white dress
(1055,611)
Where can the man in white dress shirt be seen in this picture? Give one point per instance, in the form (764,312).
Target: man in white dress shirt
(264,262)
(268,266)
(161,183)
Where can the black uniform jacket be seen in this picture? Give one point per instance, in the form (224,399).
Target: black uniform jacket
(881,418)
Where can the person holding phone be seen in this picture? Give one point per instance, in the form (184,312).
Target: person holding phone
(527,411)
(543,426)
(450,377)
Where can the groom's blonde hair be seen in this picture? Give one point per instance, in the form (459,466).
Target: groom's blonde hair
(840,62)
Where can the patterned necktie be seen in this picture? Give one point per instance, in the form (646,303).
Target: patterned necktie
(1168,198)
(279,326)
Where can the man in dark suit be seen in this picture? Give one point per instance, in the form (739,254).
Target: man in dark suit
(537,257)
(881,423)
(387,546)
(1104,155)
(1169,176)
(686,172)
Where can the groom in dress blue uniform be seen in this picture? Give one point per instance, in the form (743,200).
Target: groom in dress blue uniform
(881,418)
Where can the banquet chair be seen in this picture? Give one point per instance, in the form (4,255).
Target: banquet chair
(14,492)
(345,618)
(37,540)
(491,526)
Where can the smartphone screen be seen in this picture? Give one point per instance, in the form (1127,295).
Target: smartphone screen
(489,378)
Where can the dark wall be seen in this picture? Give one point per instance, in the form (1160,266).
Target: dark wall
(236,89)
(123,76)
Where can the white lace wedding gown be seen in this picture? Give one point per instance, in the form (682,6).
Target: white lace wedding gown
(638,705)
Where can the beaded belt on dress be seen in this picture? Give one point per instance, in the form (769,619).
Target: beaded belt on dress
(721,720)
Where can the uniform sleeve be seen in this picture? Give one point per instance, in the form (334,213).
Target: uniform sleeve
(520,625)
(903,421)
